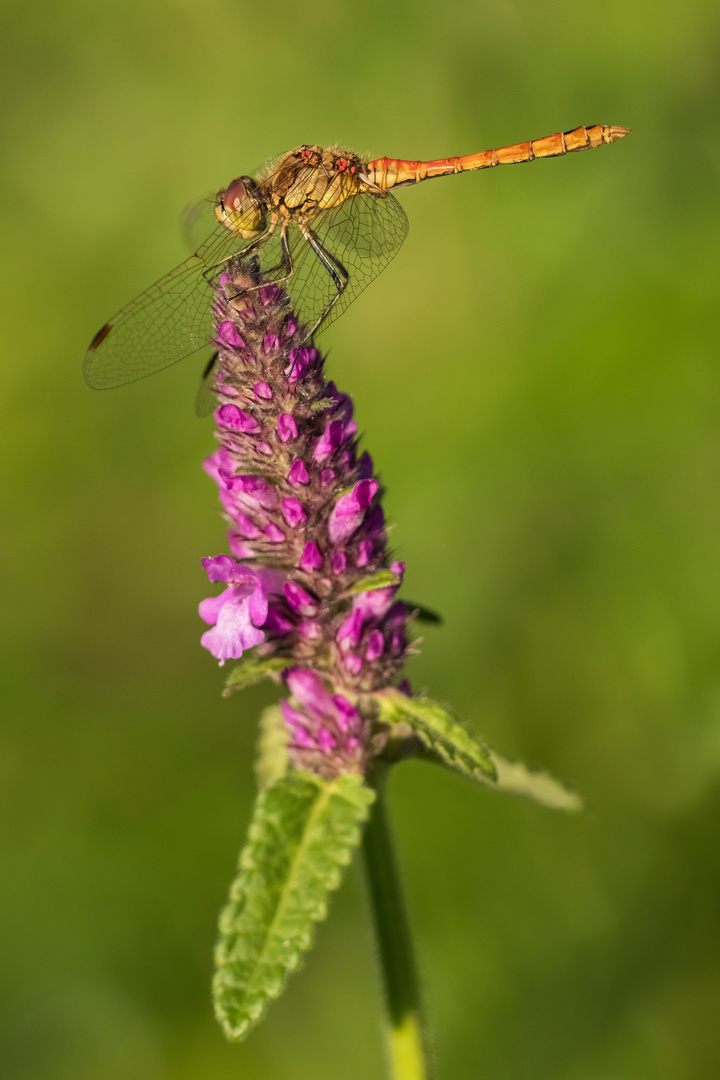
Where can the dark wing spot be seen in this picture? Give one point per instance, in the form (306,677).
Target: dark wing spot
(100,337)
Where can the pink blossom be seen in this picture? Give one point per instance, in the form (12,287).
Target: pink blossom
(350,509)
(236,614)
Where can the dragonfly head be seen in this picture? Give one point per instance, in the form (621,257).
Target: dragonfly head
(241,208)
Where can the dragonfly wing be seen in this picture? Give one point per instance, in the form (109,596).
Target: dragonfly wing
(197,222)
(170,320)
(364,234)
(206,400)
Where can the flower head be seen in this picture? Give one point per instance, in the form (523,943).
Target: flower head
(305,525)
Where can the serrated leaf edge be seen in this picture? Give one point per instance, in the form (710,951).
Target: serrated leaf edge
(264,668)
(316,914)
(435,740)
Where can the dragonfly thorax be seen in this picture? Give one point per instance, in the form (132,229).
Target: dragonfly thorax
(310,179)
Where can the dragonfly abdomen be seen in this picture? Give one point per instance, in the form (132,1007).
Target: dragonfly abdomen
(387,173)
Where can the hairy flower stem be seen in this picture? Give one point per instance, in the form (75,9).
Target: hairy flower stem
(404,1025)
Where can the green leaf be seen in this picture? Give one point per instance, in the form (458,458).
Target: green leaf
(518,779)
(384,579)
(252,670)
(271,761)
(321,405)
(302,833)
(447,742)
(440,731)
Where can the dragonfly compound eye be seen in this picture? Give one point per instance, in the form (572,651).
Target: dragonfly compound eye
(240,209)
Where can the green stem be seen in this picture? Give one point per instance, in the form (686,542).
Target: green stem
(404,1026)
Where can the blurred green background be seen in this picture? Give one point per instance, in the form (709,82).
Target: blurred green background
(538,376)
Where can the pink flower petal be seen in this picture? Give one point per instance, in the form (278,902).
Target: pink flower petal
(234,631)
(287,428)
(350,509)
(292,511)
(310,691)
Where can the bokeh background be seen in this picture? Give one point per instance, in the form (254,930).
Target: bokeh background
(539,380)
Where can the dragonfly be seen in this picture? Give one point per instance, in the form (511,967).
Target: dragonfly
(323,222)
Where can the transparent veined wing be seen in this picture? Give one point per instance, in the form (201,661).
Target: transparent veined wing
(197,222)
(170,320)
(173,318)
(364,234)
(206,400)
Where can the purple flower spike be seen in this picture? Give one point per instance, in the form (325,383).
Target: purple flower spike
(297,585)
(349,510)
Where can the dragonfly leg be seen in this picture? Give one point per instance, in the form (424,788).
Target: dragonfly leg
(286,262)
(284,268)
(334,268)
(211,271)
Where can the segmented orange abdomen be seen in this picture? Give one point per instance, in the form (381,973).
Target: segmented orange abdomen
(388,173)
